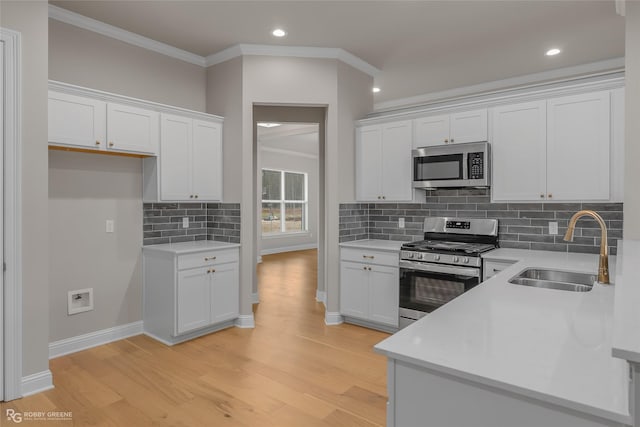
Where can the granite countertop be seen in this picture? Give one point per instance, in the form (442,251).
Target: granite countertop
(550,345)
(190,247)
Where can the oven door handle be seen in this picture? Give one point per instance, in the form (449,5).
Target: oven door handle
(439,268)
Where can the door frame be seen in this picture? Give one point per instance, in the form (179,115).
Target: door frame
(12,322)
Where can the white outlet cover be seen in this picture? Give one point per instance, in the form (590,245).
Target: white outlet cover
(79,301)
(185,222)
(553,227)
(400,222)
(110,226)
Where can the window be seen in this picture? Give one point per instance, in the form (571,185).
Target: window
(284,202)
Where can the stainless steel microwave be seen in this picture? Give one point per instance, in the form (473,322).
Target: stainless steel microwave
(452,165)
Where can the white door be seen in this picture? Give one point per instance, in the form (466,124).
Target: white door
(369,163)
(433,130)
(225,293)
(77,121)
(2,100)
(468,126)
(207,160)
(354,290)
(578,147)
(518,145)
(384,295)
(175,157)
(396,162)
(194,299)
(132,129)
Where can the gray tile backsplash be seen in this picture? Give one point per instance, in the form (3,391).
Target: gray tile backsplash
(162,222)
(521,225)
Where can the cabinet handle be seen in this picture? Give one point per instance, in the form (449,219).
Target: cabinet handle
(213,270)
(550,195)
(97,142)
(210,258)
(495,270)
(451,139)
(368,256)
(446,141)
(542,196)
(110,144)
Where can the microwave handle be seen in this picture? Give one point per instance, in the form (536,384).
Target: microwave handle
(465,165)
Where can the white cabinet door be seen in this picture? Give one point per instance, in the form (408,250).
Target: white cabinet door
(193,305)
(369,163)
(433,130)
(175,158)
(207,160)
(76,120)
(354,290)
(519,151)
(396,162)
(384,295)
(468,126)
(225,297)
(132,129)
(578,144)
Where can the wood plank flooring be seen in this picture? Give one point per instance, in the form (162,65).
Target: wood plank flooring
(291,370)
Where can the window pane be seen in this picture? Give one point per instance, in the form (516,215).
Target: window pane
(294,186)
(270,185)
(295,217)
(271,218)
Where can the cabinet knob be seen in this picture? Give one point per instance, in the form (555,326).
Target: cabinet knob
(191,196)
(446,141)
(384,197)
(111,144)
(451,139)
(550,195)
(379,197)
(542,196)
(369,268)
(195,197)
(97,142)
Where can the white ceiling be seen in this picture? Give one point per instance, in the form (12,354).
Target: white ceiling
(420,46)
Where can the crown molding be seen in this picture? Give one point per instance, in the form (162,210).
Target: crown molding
(292,51)
(81,21)
(559,75)
(621,7)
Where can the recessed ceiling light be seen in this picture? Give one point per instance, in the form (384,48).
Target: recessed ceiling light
(552,52)
(268,125)
(279,32)
(376,89)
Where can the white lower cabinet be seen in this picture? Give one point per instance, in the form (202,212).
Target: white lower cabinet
(369,288)
(493,267)
(189,294)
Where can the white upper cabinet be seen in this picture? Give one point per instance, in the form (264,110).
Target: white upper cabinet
(578,144)
(383,162)
(518,147)
(558,149)
(466,126)
(84,122)
(190,161)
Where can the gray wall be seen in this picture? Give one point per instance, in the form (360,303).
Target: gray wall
(632,124)
(85,58)
(84,191)
(30,19)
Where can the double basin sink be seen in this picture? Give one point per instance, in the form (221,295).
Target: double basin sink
(555,279)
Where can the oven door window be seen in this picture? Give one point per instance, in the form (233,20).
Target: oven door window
(426,291)
(431,168)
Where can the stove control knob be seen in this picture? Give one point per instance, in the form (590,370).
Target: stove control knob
(410,255)
(465,260)
(419,256)
(436,257)
(456,259)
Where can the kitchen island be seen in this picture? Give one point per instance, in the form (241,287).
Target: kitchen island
(504,355)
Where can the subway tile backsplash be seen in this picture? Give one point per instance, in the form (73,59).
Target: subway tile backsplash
(521,225)
(162,222)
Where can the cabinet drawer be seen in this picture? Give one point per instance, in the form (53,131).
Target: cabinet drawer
(370,257)
(202,259)
(491,268)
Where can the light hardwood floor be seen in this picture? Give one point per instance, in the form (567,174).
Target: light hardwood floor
(291,370)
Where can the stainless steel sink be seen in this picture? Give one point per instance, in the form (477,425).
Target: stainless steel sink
(555,279)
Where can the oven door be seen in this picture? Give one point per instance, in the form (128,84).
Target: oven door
(424,286)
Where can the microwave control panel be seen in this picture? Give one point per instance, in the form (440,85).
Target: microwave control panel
(476,165)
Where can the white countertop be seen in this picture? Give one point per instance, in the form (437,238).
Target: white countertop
(546,344)
(373,244)
(626,320)
(190,247)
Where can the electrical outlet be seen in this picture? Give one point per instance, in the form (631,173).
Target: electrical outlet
(79,301)
(553,227)
(109,226)
(185,222)
(400,222)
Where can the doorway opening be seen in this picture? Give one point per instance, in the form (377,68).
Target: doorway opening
(289,194)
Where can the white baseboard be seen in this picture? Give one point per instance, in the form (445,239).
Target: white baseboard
(255,298)
(259,259)
(93,339)
(35,383)
(245,321)
(332,318)
(321,296)
(288,249)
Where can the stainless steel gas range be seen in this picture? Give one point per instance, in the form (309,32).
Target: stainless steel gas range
(444,265)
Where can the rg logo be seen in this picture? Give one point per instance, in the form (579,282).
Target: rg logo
(14,416)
